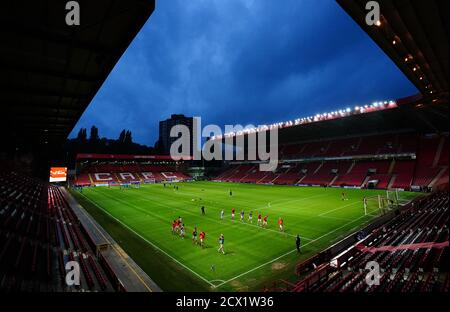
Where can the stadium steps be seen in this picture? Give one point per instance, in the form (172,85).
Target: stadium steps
(245,176)
(391,182)
(438,177)
(366,180)
(262,178)
(276,177)
(90,178)
(301,179)
(318,168)
(334,180)
(351,167)
(391,167)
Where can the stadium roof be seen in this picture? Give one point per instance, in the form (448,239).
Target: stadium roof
(414,34)
(50,71)
(412,114)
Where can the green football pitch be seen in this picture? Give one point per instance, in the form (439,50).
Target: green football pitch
(139,219)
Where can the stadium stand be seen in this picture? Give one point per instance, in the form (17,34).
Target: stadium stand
(41,229)
(117,173)
(413,160)
(39,235)
(411,249)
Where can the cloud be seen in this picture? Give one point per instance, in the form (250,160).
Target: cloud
(242,61)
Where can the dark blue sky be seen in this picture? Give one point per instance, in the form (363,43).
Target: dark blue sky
(242,62)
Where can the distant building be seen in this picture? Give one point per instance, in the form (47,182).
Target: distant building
(165,126)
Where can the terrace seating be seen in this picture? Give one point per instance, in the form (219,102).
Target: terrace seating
(427,150)
(37,227)
(374,145)
(359,172)
(404,172)
(323,176)
(407,143)
(424,176)
(338,148)
(429,156)
(383,180)
(254,176)
(291,150)
(403,267)
(83,179)
(315,149)
(288,176)
(428,170)
(240,173)
(268,178)
(227,173)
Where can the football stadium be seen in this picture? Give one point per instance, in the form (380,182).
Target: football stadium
(356,202)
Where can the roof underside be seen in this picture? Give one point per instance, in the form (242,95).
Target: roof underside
(50,71)
(414,34)
(416,116)
(420,31)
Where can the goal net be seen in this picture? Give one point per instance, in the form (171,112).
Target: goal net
(397,197)
(379,204)
(393,197)
(375,205)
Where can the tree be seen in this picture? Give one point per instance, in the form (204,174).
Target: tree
(82,135)
(128,138)
(122,136)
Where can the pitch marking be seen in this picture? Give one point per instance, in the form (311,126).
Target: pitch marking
(152,244)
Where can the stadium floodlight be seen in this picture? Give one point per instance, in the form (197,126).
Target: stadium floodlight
(348,110)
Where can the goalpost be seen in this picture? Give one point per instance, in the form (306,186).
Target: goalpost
(379,204)
(392,196)
(373,205)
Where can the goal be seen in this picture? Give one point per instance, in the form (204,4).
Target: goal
(375,205)
(392,195)
(379,204)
